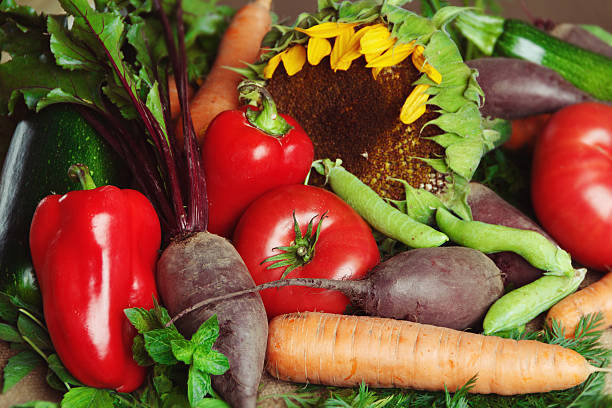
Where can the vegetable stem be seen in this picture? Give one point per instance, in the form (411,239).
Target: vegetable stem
(80,172)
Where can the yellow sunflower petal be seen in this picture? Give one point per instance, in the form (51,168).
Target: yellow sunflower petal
(340,48)
(272,65)
(326,30)
(371,57)
(392,56)
(433,73)
(377,39)
(414,106)
(376,71)
(418,59)
(318,48)
(294,59)
(420,63)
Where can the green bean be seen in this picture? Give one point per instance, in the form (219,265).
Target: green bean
(379,214)
(490,238)
(523,304)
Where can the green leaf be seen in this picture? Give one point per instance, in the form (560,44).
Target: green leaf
(466,121)
(212,403)
(68,53)
(18,367)
(207,333)
(182,350)
(56,365)
(158,343)
(445,15)
(142,319)
(463,157)
(420,204)
(210,361)
(198,386)
(34,333)
(54,382)
(87,397)
(161,313)
(8,311)
(139,351)
(9,333)
(482,30)
(37,404)
(16,42)
(155,106)
(162,383)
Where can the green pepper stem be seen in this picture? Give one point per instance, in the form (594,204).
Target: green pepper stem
(80,172)
(267,119)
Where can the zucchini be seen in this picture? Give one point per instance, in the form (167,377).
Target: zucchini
(41,150)
(585,69)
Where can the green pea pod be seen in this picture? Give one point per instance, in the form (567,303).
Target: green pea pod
(516,308)
(378,213)
(490,238)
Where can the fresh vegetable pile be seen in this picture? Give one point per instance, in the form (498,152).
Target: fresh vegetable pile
(349,225)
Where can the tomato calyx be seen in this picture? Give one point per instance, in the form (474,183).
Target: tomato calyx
(267,119)
(301,250)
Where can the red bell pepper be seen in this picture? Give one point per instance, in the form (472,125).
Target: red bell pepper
(94,253)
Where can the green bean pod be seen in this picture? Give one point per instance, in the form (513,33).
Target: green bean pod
(521,305)
(490,238)
(378,213)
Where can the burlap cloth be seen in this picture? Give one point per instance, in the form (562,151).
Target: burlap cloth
(34,387)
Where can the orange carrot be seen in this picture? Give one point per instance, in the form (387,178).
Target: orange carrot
(240,44)
(345,350)
(525,131)
(595,298)
(175,106)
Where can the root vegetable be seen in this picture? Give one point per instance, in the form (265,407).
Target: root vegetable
(348,350)
(446,286)
(240,44)
(595,298)
(200,267)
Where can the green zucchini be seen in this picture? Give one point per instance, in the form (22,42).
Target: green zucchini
(586,70)
(36,165)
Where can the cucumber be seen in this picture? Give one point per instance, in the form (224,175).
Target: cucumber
(586,70)
(36,165)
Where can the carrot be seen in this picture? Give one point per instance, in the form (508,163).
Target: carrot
(240,44)
(342,350)
(595,298)
(525,131)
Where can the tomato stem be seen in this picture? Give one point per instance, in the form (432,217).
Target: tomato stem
(302,250)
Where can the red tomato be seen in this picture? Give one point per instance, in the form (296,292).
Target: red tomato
(572,182)
(345,248)
(241,162)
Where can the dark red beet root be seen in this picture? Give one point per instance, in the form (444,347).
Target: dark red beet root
(203,266)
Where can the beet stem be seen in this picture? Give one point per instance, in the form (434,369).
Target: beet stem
(353,289)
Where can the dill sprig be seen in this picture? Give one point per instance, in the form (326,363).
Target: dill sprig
(586,395)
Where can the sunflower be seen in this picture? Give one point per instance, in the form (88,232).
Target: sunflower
(384,90)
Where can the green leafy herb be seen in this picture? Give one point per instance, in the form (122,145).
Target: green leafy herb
(18,367)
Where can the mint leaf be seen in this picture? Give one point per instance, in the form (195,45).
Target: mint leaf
(56,365)
(207,333)
(198,385)
(9,333)
(87,397)
(142,319)
(139,351)
(158,344)
(34,333)
(212,403)
(161,313)
(210,361)
(18,367)
(182,350)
